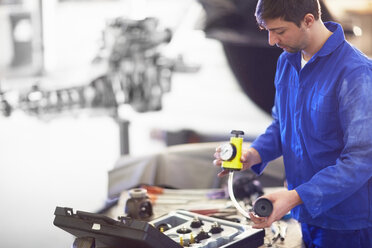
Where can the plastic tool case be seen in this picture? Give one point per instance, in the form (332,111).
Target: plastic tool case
(130,233)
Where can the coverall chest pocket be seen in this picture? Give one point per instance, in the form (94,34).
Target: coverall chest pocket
(323,116)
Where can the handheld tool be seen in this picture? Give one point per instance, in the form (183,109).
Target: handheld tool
(230,155)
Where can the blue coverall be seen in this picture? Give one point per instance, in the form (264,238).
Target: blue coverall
(323,128)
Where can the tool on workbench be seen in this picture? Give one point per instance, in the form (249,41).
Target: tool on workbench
(138,206)
(279,228)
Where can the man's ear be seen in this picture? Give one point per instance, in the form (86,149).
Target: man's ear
(309,20)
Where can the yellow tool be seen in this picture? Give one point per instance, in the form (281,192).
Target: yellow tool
(231,152)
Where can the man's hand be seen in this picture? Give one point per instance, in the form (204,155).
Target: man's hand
(283,202)
(249,158)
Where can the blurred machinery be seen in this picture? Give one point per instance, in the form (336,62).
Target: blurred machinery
(135,73)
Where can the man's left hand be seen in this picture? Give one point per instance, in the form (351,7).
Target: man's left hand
(283,202)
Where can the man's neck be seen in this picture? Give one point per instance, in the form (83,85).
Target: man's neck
(320,35)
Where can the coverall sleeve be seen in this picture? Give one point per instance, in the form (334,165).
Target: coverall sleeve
(269,144)
(353,167)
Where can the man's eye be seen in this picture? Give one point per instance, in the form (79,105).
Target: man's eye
(281,32)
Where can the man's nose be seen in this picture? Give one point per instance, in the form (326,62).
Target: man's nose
(272,38)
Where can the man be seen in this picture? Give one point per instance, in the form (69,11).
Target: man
(322,126)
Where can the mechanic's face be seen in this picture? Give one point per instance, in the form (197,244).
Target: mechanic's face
(286,35)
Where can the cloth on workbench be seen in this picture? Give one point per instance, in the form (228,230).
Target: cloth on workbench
(181,166)
(187,166)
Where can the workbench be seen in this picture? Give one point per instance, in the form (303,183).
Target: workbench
(201,201)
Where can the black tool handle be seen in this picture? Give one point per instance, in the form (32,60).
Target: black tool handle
(237,132)
(263,207)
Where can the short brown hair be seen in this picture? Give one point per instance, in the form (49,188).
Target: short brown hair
(289,10)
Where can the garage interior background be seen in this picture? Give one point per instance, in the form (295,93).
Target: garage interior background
(64,160)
